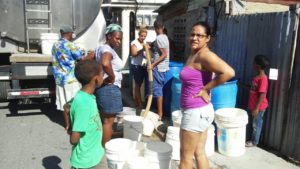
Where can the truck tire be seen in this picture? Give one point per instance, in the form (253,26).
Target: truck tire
(4,85)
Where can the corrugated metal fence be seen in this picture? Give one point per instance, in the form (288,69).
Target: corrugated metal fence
(238,40)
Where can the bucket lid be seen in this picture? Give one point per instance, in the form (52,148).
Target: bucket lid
(173,130)
(132,118)
(228,114)
(119,144)
(157,148)
(177,113)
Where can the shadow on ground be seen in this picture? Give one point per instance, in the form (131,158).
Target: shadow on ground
(35,107)
(51,162)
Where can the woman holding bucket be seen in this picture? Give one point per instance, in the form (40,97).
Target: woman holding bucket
(197,111)
(108,96)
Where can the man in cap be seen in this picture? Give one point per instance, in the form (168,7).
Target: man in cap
(65,54)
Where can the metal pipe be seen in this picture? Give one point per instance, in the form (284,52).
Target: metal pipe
(73,15)
(26,27)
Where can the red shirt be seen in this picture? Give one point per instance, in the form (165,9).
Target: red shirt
(259,85)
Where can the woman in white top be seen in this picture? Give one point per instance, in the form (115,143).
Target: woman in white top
(108,96)
(138,67)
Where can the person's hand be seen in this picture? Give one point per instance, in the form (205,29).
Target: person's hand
(255,112)
(149,67)
(204,94)
(66,114)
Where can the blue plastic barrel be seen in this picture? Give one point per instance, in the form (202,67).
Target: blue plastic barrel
(176,91)
(174,68)
(224,96)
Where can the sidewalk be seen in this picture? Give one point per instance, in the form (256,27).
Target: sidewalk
(254,157)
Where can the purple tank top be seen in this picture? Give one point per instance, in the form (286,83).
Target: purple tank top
(192,81)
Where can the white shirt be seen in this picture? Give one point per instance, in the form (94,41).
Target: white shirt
(138,60)
(116,62)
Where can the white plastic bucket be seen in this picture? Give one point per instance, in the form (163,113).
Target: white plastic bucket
(117,152)
(231,132)
(173,139)
(158,154)
(133,127)
(148,127)
(151,116)
(119,118)
(47,41)
(176,118)
(138,163)
(210,141)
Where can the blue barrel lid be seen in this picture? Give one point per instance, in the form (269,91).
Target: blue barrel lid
(176,64)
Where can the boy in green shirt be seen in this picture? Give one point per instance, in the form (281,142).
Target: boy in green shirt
(85,123)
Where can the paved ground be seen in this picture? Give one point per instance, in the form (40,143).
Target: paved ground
(34,138)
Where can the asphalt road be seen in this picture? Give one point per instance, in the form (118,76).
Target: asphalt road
(32,137)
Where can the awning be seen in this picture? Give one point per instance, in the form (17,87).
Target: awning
(282,2)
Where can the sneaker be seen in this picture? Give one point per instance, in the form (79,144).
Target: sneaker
(250,144)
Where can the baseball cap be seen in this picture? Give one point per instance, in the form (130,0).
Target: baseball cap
(66,29)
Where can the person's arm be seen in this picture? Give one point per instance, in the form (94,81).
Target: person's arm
(74,137)
(161,57)
(107,67)
(212,63)
(134,52)
(259,101)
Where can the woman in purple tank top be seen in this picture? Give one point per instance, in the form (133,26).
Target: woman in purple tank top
(197,111)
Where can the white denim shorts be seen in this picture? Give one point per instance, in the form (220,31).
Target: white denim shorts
(197,119)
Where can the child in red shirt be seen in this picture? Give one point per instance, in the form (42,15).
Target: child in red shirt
(258,102)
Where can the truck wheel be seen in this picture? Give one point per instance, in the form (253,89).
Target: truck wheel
(4,85)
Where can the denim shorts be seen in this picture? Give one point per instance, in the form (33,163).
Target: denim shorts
(109,99)
(139,73)
(158,82)
(197,119)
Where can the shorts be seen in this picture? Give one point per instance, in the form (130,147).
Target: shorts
(138,73)
(197,119)
(158,83)
(65,93)
(109,99)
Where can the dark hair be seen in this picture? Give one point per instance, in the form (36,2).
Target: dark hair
(262,61)
(158,23)
(205,25)
(85,70)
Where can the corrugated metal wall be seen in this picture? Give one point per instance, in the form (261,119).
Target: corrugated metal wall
(291,139)
(238,40)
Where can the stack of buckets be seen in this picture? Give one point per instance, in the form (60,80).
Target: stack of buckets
(173,137)
(121,154)
(231,131)
(231,122)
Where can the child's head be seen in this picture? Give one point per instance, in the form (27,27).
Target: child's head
(89,71)
(261,61)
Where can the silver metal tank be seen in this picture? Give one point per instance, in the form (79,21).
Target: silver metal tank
(78,13)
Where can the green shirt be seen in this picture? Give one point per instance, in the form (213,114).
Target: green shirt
(85,119)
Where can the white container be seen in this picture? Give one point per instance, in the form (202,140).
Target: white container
(176,118)
(231,132)
(117,152)
(151,116)
(47,41)
(158,154)
(210,141)
(173,139)
(133,127)
(119,118)
(138,163)
(148,127)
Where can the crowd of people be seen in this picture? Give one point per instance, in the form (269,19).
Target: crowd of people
(88,90)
